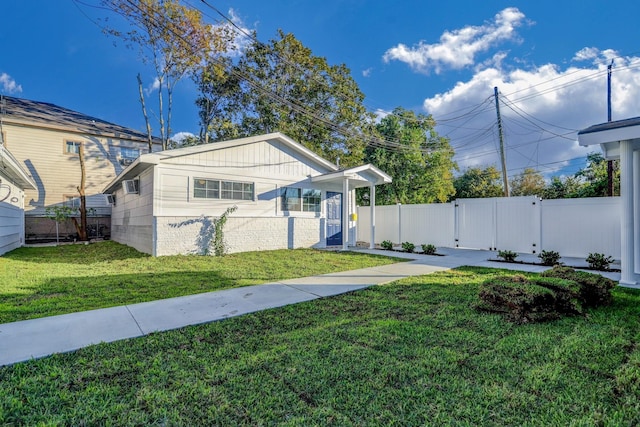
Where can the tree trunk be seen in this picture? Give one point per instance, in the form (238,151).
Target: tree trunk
(144,113)
(82,227)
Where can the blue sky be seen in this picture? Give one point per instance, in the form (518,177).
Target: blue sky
(548,58)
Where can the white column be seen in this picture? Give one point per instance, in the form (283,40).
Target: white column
(345,214)
(372,207)
(626,219)
(636,214)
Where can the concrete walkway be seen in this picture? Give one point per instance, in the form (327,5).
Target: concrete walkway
(29,339)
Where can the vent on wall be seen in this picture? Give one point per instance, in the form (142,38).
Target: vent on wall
(130,186)
(111,199)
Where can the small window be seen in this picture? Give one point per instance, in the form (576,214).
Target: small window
(72,147)
(300,199)
(128,155)
(215,189)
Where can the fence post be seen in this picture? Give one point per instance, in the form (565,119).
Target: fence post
(399,223)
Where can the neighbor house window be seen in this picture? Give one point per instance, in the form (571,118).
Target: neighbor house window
(128,155)
(216,189)
(72,147)
(300,199)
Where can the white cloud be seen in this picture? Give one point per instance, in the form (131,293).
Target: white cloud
(179,137)
(541,103)
(459,48)
(9,85)
(367,72)
(154,86)
(380,114)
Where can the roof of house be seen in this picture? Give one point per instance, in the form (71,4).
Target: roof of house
(34,113)
(148,160)
(360,176)
(608,132)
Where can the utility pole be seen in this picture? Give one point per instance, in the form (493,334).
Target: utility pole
(503,159)
(610,162)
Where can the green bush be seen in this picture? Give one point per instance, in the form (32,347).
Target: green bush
(599,261)
(549,258)
(408,247)
(508,256)
(429,249)
(595,290)
(387,244)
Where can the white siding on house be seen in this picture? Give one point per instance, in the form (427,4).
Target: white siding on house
(11,216)
(132,216)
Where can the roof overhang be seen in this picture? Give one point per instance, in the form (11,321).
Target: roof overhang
(359,176)
(608,135)
(141,164)
(13,171)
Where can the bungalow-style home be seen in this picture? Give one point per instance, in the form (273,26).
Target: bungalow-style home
(46,139)
(13,181)
(286,197)
(621,140)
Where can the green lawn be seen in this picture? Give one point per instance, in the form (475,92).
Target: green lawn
(45,281)
(413,352)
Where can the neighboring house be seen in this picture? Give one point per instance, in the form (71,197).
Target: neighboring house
(621,140)
(45,139)
(13,181)
(286,197)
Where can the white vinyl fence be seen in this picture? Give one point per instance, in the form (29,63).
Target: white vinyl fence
(572,227)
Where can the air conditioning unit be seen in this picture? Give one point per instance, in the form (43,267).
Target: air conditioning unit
(110,199)
(126,161)
(130,186)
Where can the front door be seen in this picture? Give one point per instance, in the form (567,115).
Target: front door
(334,218)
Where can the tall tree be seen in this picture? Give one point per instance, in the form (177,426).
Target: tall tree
(528,183)
(281,86)
(479,183)
(415,156)
(562,188)
(174,39)
(594,177)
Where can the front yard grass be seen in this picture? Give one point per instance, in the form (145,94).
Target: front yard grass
(45,281)
(413,352)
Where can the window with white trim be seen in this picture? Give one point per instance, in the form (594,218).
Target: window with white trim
(300,199)
(217,189)
(72,147)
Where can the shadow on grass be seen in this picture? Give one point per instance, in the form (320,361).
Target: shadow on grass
(76,253)
(67,295)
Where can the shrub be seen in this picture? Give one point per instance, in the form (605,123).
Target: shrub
(599,261)
(429,249)
(508,256)
(408,247)
(595,290)
(549,258)
(387,245)
(524,300)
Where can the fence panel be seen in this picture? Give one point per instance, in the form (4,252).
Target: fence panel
(476,223)
(428,224)
(577,227)
(518,224)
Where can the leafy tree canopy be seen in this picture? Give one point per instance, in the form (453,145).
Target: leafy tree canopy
(415,156)
(479,183)
(281,86)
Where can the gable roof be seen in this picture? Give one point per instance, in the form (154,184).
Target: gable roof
(146,161)
(45,115)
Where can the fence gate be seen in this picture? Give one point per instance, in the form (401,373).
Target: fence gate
(475,223)
(499,224)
